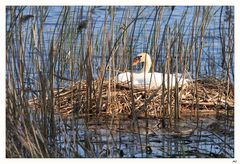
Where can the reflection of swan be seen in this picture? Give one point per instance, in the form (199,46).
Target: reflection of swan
(150,80)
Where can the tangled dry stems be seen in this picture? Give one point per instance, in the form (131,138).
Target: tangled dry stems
(211,95)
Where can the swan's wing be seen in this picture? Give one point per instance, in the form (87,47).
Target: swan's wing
(124,77)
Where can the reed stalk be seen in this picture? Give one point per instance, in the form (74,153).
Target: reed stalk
(62,62)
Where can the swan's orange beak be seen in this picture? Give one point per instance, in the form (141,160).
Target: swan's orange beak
(136,60)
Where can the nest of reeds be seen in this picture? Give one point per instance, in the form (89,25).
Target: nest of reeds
(83,99)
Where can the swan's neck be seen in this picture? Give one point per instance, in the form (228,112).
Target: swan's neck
(146,65)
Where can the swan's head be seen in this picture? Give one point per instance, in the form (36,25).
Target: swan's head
(141,58)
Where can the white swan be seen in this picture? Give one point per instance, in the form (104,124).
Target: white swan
(149,80)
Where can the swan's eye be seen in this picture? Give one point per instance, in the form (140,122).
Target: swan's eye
(137,58)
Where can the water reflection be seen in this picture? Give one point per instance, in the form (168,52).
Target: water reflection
(121,138)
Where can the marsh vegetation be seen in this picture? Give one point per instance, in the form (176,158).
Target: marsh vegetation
(63,100)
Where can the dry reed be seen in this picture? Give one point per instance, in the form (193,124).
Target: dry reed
(61,74)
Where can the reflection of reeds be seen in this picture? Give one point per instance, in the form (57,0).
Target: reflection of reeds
(42,60)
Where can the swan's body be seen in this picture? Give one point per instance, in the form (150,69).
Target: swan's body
(150,80)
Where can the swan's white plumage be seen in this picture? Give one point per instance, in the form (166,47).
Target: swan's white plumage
(150,80)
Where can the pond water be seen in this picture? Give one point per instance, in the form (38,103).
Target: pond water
(116,137)
(182,16)
(212,138)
